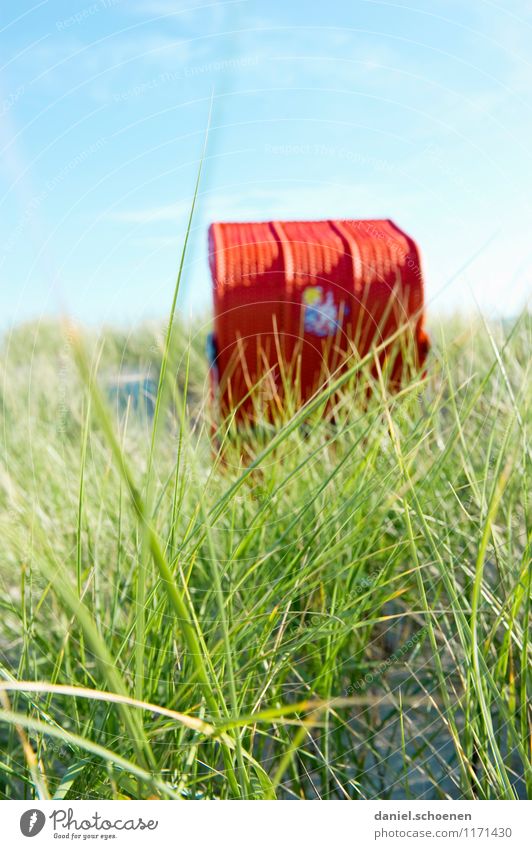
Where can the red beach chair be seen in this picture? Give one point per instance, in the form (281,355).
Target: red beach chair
(294,299)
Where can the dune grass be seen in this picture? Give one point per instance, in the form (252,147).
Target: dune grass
(313,611)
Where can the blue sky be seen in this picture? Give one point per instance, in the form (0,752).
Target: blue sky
(418,111)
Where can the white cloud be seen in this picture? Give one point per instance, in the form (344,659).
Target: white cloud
(254,202)
(165,212)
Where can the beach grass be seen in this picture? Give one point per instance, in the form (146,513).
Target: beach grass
(317,610)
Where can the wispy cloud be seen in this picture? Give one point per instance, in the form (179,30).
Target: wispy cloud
(327,200)
(150,215)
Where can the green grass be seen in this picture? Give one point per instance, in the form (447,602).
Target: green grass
(310,611)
